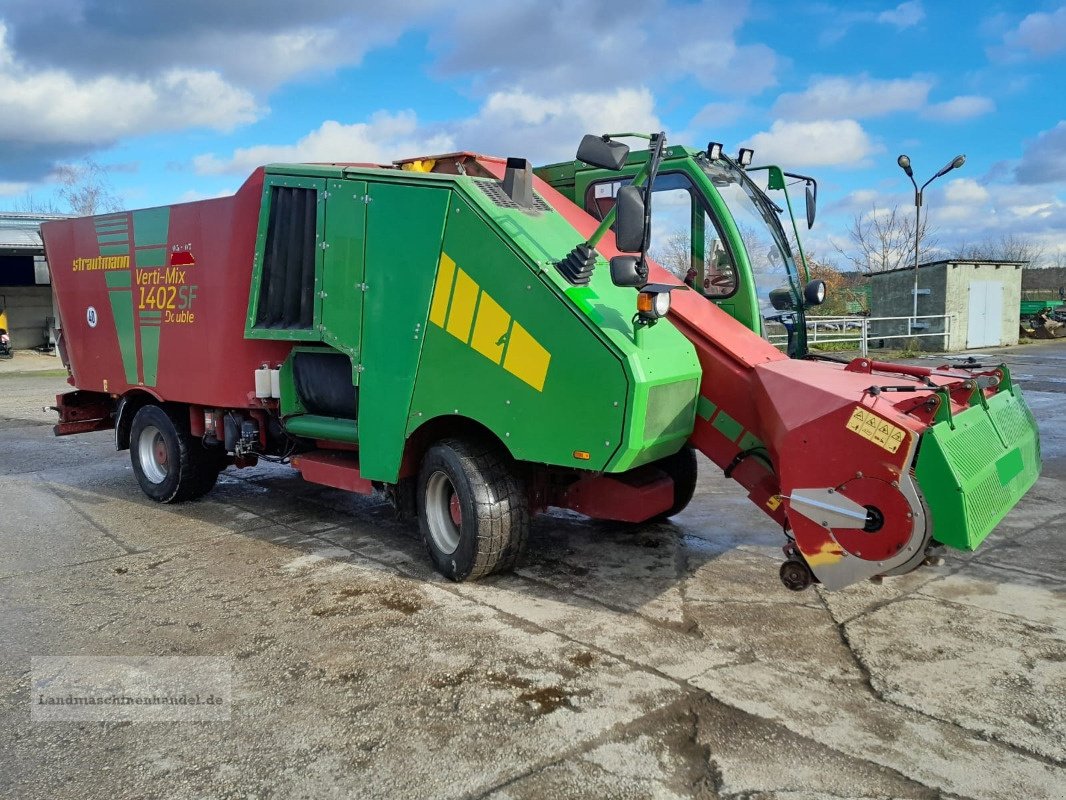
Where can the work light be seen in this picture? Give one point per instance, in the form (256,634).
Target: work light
(653,304)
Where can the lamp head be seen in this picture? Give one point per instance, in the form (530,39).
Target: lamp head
(905,164)
(955,163)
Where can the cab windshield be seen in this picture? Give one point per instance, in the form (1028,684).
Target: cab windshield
(757,221)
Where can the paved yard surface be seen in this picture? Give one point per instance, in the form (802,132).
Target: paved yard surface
(663,662)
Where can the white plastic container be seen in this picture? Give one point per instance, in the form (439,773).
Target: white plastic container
(262,383)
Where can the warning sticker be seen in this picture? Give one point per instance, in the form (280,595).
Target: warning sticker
(879,431)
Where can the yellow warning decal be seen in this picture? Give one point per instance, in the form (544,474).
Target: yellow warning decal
(774,502)
(462,308)
(879,431)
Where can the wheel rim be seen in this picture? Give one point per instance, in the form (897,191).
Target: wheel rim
(153,455)
(444,516)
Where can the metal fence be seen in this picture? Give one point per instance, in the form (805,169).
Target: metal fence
(861,331)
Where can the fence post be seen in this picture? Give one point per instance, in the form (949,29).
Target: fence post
(864,337)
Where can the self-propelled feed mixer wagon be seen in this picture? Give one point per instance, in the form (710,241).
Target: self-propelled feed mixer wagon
(449,331)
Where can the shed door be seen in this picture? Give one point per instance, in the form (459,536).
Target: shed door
(985,320)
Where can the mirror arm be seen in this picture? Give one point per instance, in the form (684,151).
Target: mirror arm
(658,140)
(608,220)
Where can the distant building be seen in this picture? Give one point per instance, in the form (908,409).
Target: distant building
(25,284)
(983,299)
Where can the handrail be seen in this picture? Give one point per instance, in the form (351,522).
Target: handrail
(835,329)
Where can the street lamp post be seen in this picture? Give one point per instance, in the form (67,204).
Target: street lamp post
(905,164)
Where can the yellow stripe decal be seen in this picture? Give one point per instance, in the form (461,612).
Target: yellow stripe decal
(490,328)
(526,359)
(464,299)
(442,292)
(472,316)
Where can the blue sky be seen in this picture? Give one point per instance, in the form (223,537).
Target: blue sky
(183,100)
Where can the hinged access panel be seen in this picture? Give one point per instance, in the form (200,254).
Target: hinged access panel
(343,269)
(285,299)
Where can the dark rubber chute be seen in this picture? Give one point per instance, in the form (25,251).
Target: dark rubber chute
(324,383)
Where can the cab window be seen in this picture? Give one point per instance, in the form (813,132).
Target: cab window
(685,238)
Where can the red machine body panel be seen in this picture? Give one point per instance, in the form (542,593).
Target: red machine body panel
(156,299)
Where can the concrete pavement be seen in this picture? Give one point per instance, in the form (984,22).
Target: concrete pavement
(661,662)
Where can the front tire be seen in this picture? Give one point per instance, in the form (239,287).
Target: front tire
(170,464)
(473,510)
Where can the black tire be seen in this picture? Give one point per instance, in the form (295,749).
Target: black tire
(170,465)
(683,470)
(478,483)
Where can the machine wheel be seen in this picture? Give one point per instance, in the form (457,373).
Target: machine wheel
(796,575)
(170,465)
(683,470)
(473,510)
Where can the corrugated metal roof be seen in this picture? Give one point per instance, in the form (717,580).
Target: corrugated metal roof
(22,231)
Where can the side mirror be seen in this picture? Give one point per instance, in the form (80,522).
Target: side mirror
(814,293)
(781,299)
(607,154)
(812,203)
(629,219)
(627,271)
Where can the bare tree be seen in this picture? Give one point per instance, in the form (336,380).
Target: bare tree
(1008,247)
(674,252)
(84,189)
(30,203)
(883,240)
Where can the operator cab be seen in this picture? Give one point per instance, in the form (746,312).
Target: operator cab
(718,231)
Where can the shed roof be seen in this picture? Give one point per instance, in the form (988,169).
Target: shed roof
(22,231)
(957,261)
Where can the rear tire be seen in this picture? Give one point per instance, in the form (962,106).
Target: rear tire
(473,510)
(170,464)
(683,471)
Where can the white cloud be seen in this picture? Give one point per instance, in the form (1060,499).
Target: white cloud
(717,115)
(1040,33)
(961,108)
(384,137)
(600,45)
(53,106)
(515,123)
(11,189)
(905,15)
(857,201)
(966,191)
(548,128)
(1044,158)
(964,199)
(856,98)
(821,143)
(192,195)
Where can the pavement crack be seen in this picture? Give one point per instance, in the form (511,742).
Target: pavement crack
(621,730)
(983,735)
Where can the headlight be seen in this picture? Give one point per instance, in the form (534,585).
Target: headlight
(653,305)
